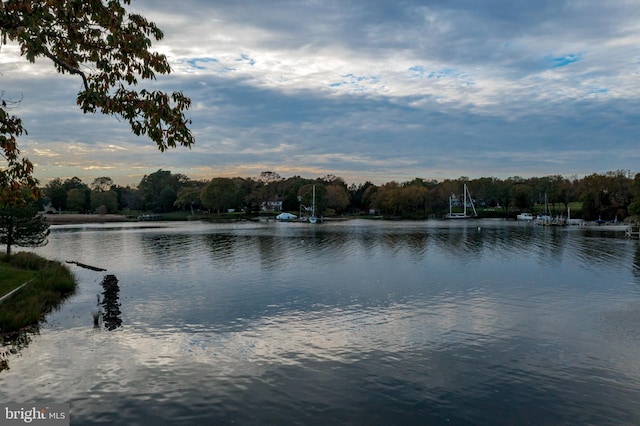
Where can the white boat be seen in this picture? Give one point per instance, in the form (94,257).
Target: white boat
(286,217)
(547,220)
(466,200)
(313,218)
(528,217)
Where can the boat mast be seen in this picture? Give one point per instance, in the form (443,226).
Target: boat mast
(475,213)
(313,218)
(464,199)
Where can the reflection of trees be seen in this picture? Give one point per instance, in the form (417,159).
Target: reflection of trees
(636,262)
(415,242)
(461,241)
(394,239)
(13,343)
(303,246)
(331,241)
(222,246)
(270,250)
(467,242)
(594,247)
(549,244)
(157,248)
(111,303)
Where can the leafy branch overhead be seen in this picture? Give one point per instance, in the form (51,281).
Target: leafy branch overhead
(108,48)
(18,171)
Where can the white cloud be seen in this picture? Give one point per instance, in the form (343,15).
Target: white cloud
(373,91)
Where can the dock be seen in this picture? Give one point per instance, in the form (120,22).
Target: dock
(633,231)
(146,217)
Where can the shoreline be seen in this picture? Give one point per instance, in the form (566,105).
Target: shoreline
(67,219)
(76,218)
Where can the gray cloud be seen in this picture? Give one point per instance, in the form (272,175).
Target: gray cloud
(370,90)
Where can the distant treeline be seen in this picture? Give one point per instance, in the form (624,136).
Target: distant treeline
(607,196)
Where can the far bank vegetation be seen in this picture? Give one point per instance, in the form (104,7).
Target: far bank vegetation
(613,195)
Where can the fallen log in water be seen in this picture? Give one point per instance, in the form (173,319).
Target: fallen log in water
(83,265)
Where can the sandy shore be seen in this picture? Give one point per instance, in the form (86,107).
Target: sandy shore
(63,219)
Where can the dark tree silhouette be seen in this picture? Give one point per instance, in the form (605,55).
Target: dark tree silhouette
(22,226)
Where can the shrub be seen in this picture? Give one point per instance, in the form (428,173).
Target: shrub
(27,260)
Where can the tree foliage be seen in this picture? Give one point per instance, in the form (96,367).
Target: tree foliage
(159,189)
(220,194)
(608,196)
(109,49)
(76,200)
(20,225)
(189,196)
(102,184)
(17,173)
(56,193)
(104,201)
(337,198)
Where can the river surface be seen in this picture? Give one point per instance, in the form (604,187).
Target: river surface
(356,322)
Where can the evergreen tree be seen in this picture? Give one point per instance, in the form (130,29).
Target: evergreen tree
(20,225)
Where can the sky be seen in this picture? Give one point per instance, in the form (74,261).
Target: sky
(371,90)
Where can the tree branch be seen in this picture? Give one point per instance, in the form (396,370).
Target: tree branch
(68,68)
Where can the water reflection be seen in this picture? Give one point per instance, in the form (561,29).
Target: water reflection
(165,247)
(414,242)
(111,315)
(636,261)
(356,322)
(222,246)
(14,343)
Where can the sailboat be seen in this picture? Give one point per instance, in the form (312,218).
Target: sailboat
(313,218)
(546,219)
(466,199)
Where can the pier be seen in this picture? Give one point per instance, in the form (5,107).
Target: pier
(633,231)
(145,217)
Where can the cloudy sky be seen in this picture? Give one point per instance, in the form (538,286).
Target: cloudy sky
(366,90)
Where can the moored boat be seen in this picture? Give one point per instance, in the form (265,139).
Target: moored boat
(528,217)
(466,200)
(313,218)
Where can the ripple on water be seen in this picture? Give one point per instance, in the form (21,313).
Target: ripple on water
(357,323)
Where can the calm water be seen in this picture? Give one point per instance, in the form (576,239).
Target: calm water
(358,323)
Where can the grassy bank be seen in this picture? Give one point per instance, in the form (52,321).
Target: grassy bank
(12,277)
(53,283)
